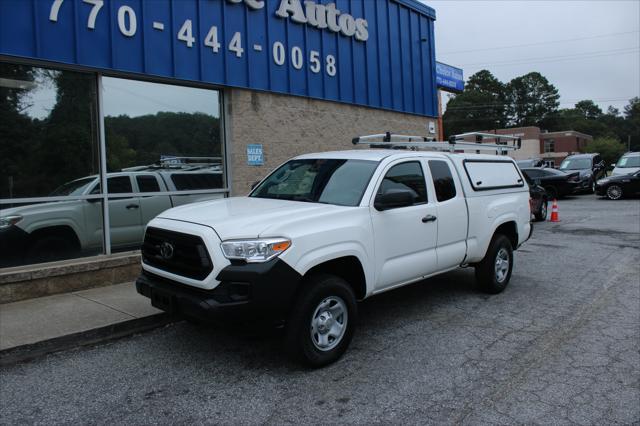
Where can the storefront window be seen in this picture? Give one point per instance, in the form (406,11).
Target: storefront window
(163,149)
(48,148)
(160,138)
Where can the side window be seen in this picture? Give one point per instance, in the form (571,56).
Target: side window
(442,180)
(148,183)
(406,176)
(116,185)
(119,185)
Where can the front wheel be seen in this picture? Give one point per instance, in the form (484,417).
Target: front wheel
(494,271)
(614,192)
(322,322)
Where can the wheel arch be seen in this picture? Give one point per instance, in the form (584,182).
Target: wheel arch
(349,268)
(63,231)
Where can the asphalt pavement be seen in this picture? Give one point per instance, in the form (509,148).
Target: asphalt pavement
(560,346)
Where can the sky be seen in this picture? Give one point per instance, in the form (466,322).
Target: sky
(586,49)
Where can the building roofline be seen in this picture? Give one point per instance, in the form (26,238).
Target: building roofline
(418,7)
(561,133)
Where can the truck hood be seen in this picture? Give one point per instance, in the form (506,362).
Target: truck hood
(244,217)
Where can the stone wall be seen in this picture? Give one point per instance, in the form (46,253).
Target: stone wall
(287,126)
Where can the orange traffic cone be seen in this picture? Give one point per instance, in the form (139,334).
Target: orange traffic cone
(554,211)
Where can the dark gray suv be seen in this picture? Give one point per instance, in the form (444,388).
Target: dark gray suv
(591,168)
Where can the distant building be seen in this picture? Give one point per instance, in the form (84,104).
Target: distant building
(552,147)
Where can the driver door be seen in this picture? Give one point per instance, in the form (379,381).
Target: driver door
(404,237)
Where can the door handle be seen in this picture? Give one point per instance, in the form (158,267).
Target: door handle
(429,218)
(132,206)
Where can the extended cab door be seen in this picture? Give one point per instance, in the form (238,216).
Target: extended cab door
(151,205)
(404,237)
(452,213)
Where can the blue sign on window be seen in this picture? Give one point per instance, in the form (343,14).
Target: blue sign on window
(449,78)
(377,53)
(255,155)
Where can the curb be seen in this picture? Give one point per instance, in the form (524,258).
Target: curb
(84,338)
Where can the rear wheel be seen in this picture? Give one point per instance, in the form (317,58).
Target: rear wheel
(322,322)
(541,214)
(494,271)
(614,192)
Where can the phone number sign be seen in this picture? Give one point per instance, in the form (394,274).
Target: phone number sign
(375,53)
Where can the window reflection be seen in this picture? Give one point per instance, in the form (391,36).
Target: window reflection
(47,129)
(160,138)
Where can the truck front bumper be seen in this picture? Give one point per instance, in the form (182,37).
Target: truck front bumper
(246,291)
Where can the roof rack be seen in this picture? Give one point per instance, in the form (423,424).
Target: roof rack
(393,141)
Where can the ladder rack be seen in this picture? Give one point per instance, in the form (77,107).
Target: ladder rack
(392,141)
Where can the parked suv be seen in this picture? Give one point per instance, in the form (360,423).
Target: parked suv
(325,230)
(64,229)
(628,164)
(590,166)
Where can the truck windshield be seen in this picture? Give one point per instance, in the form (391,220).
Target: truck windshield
(76,187)
(328,181)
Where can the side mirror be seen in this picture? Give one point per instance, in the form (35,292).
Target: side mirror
(394,199)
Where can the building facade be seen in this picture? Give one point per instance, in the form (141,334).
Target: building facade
(113,110)
(551,147)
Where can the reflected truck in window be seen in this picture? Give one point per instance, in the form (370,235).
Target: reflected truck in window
(58,230)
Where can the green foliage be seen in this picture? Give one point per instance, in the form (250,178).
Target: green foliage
(487,103)
(609,148)
(481,106)
(38,155)
(531,99)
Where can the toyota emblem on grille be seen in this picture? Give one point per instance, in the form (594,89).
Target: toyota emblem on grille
(166,250)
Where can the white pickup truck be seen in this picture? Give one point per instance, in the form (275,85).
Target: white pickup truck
(328,229)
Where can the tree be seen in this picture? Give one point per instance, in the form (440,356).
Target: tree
(588,109)
(609,148)
(482,105)
(531,99)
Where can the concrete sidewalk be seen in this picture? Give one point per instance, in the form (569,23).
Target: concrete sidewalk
(34,327)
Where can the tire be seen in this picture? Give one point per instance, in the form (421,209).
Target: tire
(552,192)
(614,192)
(51,248)
(491,277)
(313,335)
(541,215)
(593,187)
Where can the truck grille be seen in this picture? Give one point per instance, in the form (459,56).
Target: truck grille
(175,252)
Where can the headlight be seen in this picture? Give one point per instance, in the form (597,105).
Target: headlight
(8,221)
(255,251)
